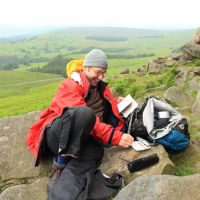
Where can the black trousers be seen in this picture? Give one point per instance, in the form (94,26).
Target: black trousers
(80,179)
(69,132)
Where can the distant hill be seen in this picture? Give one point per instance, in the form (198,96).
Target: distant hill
(76,42)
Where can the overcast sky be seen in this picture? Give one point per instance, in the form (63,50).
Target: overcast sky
(121,13)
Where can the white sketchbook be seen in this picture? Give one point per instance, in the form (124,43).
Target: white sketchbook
(140,144)
(127,106)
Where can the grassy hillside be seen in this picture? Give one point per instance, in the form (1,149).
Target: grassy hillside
(117,65)
(14,77)
(22,92)
(34,99)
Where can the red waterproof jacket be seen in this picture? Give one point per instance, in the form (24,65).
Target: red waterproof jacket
(71,94)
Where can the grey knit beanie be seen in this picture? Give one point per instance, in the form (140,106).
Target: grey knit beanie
(95,58)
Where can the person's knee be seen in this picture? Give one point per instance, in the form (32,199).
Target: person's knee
(84,115)
(88,114)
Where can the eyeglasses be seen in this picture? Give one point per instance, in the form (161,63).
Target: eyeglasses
(100,74)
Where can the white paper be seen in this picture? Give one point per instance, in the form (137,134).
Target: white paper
(127,106)
(140,144)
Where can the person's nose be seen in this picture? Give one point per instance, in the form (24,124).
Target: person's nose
(101,76)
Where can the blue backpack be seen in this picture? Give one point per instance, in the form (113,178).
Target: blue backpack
(177,139)
(174,141)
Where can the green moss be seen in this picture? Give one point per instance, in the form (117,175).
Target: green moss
(168,78)
(184,170)
(194,93)
(197,62)
(183,165)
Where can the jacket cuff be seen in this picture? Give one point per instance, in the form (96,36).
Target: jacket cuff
(115,137)
(111,136)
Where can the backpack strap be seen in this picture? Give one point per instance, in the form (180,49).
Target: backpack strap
(130,122)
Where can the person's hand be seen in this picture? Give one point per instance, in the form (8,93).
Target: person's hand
(126,140)
(119,99)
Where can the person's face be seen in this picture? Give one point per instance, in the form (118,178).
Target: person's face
(94,74)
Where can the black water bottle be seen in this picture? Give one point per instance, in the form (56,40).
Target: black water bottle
(142,163)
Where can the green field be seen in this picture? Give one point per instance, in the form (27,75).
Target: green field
(22,91)
(34,99)
(117,65)
(30,66)
(12,77)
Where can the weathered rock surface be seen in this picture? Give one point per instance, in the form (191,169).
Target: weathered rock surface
(191,51)
(197,71)
(196,38)
(120,157)
(193,85)
(196,106)
(125,71)
(156,66)
(163,187)
(17,164)
(35,191)
(143,69)
(176,96)
(174,56)
(181,76)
